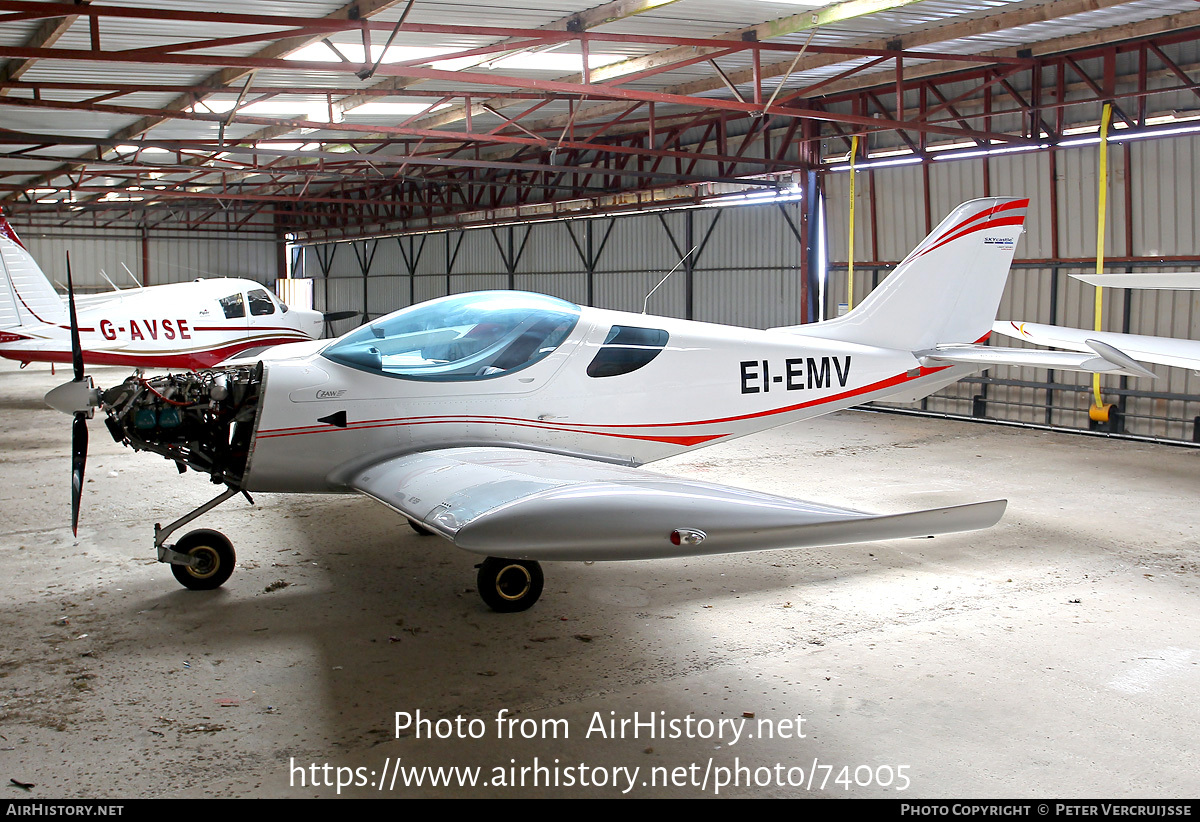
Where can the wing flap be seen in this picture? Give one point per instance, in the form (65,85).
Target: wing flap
(529,505)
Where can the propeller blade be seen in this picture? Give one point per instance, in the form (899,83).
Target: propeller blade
(76,348)
(334,316)
(79,444)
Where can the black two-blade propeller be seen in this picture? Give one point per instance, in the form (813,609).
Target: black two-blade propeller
(78,398)
(79,429)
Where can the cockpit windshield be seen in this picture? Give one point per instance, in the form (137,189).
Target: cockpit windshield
(461,337)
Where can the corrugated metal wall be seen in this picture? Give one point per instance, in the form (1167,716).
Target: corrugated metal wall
(170,259)
(747,268)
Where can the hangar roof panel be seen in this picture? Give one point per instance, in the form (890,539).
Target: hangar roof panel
(208,75)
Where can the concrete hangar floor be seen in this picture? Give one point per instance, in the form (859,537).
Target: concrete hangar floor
(1055,655)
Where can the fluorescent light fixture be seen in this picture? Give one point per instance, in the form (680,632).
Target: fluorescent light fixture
(761,197)
(988,152)
(1129,134)
(899,161)
(1079,141)
(1164,132)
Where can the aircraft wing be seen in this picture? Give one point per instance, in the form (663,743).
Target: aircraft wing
(1162,350)
(521,504)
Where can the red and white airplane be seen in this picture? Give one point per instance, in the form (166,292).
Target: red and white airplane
(513,425)
(182,326)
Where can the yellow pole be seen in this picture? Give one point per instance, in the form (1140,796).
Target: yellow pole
(1098,310)
(850,271)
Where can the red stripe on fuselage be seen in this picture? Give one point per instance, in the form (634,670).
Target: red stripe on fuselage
(579,428)
(192,361)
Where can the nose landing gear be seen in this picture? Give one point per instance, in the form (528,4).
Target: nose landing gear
(203,559)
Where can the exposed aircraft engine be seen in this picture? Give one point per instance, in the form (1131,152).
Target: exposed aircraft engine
(202,420)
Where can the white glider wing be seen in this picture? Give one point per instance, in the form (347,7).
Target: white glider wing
(1170,280)
(1162,350)
(1100,358)
(532,505)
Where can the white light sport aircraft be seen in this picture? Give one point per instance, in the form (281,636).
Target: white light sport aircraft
(182,325)
(511,424)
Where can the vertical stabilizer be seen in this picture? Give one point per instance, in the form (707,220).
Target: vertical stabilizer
(947,290)
(6,230)
(26,296)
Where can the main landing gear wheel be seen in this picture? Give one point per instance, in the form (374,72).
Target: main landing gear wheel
(215,556)
(420,529)
(509,585)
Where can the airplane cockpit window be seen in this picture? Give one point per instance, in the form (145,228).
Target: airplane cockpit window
(233,306)
(626,349)
(462,337)
(260,303)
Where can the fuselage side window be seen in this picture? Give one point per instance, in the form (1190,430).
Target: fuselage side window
(233,306)
(260,303)
(626,349)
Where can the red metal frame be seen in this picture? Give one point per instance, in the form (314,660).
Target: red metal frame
(488,157)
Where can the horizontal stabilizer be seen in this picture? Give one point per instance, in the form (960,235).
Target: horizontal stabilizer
(1101,359)
(531,505)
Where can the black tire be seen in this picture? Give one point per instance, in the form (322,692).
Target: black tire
(216,556)
(509,585)
(419,528)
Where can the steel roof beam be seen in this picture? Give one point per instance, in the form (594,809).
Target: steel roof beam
(360,9)
(592,90)
(911,41)
(47,34)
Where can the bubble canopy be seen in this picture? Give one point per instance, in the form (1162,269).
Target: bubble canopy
(462,337)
